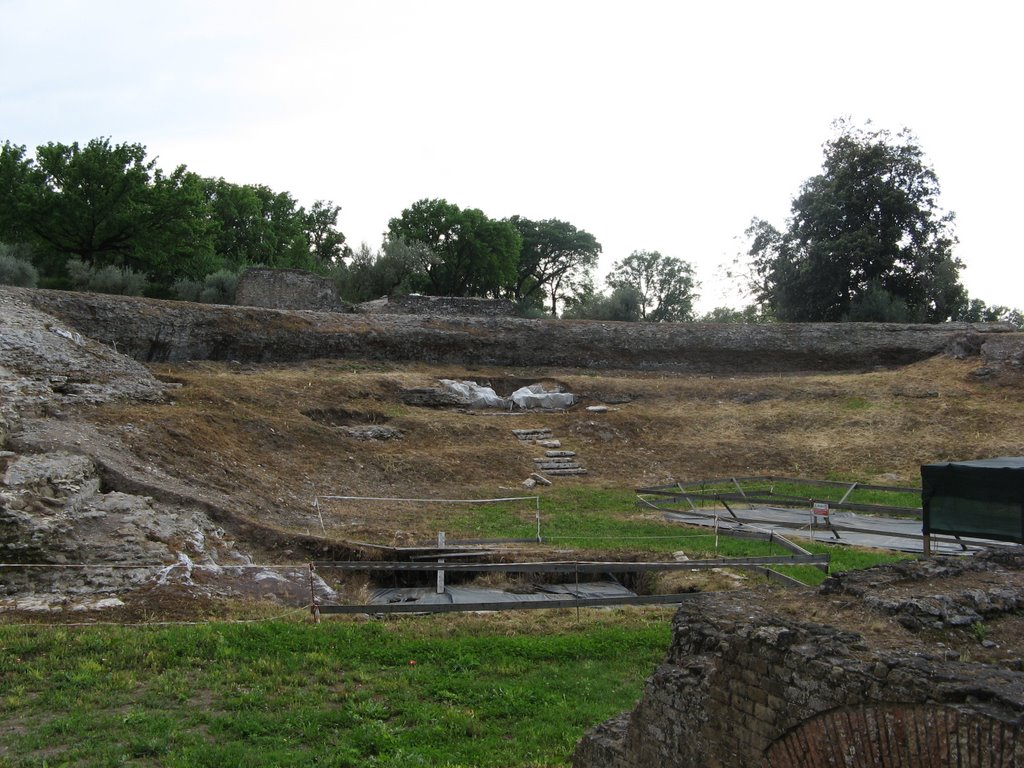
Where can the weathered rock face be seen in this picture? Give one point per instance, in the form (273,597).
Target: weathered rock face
(288,289)
(40,354)
(151,330)
(743,685)
(68,540)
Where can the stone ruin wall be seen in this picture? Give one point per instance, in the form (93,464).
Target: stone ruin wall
(297,289)
(150,330)
(288,289)
(743,685)
(448,306)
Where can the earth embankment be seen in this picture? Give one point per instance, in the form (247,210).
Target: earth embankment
(163,331)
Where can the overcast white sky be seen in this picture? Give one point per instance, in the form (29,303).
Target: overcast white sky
(653,125)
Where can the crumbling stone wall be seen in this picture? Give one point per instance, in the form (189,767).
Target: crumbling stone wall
(152,330)
(743,685)
(288,289)
(449,306)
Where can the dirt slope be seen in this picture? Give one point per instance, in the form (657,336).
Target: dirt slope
(236,453)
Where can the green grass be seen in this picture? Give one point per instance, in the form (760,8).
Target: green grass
(910,501)
(338,694)
(844,558)
(595,519)
(610,521)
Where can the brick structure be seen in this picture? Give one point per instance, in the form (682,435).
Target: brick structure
(288,289)
(743,685)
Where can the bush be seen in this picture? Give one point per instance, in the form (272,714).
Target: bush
(219,288)
(878,305)
(530,311)
(187,290)
(110,279)
(623,304)
(16,270)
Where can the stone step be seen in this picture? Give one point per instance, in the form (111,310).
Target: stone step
(532,434)
(550,466)
(559,454)
(549,443)
(560,472)
(546,460)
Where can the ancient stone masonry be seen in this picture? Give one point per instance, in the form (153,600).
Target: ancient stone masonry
(743,685)
(288,289)
(151,330)
(451,306)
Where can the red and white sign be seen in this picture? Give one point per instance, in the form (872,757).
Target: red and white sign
(821,508)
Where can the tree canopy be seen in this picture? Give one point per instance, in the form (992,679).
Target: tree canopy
(664,284)
(466,254)
(109,205)
(867,239)
(556,258)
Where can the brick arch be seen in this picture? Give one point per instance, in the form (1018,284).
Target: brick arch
(903,735)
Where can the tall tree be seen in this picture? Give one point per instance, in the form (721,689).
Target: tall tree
(866,239)
(665,285)
(91,201)
(255,225)
(326,242)
(17,179)
(555,255)
(466,254)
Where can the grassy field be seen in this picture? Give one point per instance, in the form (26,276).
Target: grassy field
(442,691)
(515,689)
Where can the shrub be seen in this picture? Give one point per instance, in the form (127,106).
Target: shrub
(878,305)
(187,290)
(219,288)
(623,304)
(15,270)
(531,311)
(109,279)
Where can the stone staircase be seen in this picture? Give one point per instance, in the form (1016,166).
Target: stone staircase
(554,463)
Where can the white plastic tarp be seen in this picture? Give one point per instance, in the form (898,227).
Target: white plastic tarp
(535,396)
(474,395)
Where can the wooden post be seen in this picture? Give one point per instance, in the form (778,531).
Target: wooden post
(314,606)
(440,561)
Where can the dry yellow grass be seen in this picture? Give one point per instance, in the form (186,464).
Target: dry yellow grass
(247,431)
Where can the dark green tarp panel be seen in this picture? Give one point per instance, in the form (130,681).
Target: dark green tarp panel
(983,498)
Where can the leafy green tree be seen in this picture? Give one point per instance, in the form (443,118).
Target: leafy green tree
(326,242)
(748,314)
(555,258)
(623,304)
(107,205)
(466,254)
(977,311)
(866,238)
(391,271)
(89,201)
(665,285)
(17,178)
(178,243)
(253,225)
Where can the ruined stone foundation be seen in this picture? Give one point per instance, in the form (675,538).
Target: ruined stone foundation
(748,684)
